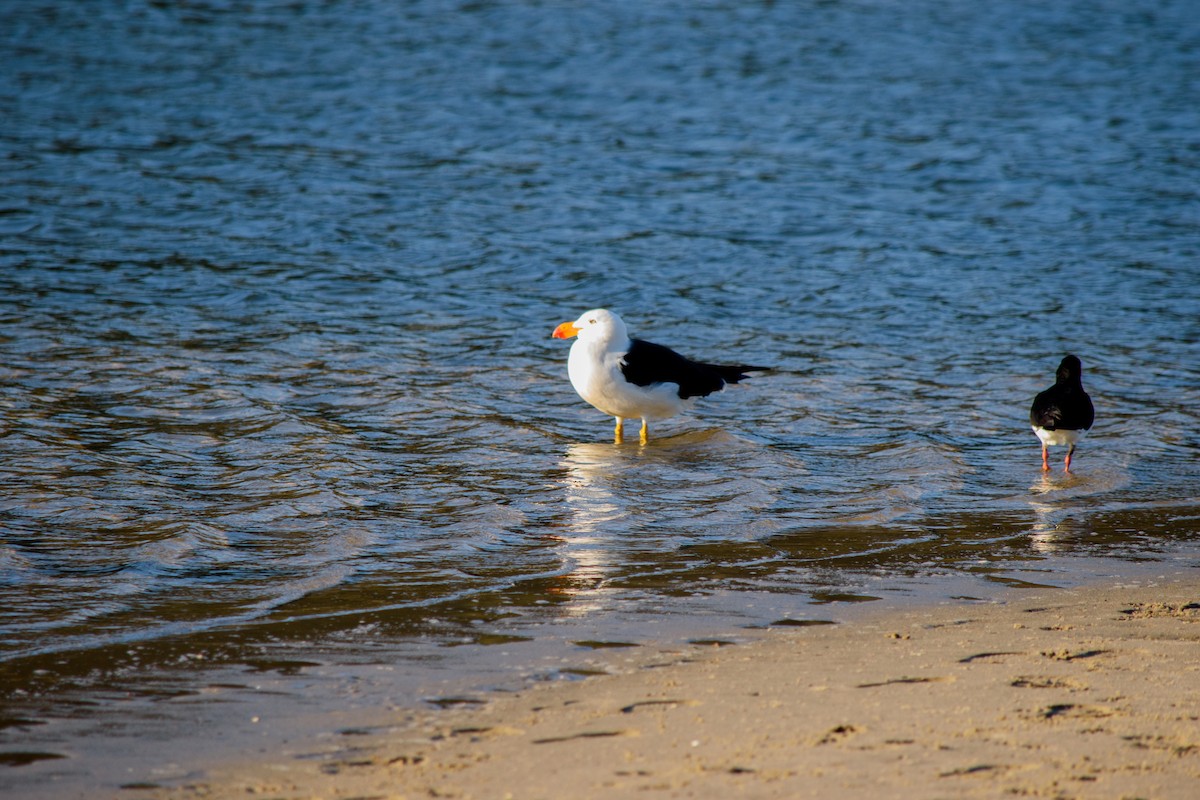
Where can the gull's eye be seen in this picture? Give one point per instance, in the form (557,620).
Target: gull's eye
(591,322)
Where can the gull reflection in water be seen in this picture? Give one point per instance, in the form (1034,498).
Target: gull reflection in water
(595,512)
(698,485)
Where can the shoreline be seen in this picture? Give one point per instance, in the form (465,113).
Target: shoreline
(1089,692)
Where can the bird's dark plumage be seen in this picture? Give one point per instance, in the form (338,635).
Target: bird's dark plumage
(647,363)
(1065,405)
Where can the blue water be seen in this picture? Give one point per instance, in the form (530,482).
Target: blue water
(277,280)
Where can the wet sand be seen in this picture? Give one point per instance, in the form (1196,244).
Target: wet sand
(1090,693)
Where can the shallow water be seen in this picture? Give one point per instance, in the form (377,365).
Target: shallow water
(279,410)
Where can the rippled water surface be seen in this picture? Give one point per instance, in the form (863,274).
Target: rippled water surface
(277,392)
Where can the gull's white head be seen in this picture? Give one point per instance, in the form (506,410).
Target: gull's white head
(596,325)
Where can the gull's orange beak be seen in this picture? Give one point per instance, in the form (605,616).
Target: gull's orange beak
(565,331)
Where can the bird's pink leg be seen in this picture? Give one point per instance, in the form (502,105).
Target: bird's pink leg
(1046,459)
(1067,463)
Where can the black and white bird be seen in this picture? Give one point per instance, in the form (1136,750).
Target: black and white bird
(1063,413)
(633,379)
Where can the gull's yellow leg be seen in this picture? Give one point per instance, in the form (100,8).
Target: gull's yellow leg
(645,434)
(619,432)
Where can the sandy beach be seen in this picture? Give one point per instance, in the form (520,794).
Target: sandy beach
(1089,693)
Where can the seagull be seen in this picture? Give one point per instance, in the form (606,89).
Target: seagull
(1063,413)
(633,379)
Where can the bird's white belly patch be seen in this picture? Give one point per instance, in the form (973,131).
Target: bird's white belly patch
(605,387)
(623,399)
(1058,437)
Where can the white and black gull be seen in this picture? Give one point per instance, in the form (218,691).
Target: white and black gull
(1063,413)
(634,379)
